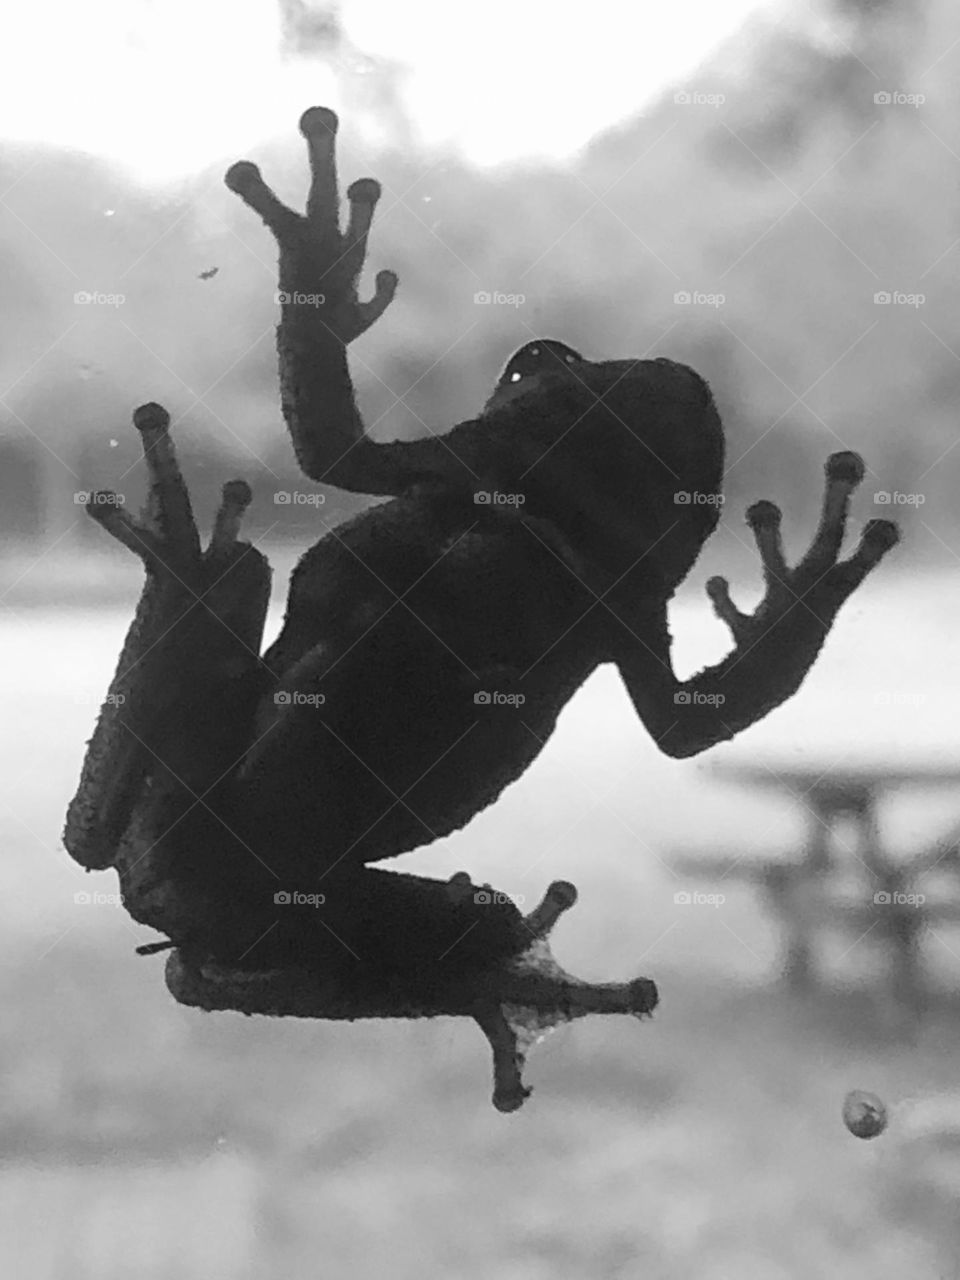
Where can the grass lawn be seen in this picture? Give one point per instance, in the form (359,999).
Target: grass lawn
(141,1139)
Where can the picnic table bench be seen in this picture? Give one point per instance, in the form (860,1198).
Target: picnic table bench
(806,892)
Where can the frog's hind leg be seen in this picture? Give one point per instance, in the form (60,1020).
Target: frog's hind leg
(189,671)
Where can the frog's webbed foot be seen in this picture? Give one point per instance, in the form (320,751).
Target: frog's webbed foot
(539,996)
(515,1001)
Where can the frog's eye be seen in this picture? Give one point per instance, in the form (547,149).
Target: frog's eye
(543,355)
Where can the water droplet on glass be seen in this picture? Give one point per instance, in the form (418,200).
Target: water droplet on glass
(864,1114)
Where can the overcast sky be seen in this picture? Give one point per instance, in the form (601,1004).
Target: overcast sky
(168,86)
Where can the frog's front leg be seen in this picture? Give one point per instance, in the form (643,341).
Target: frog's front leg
(774,647)
(178,712)
(321,314)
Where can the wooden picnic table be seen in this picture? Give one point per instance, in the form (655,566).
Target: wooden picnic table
(799,890)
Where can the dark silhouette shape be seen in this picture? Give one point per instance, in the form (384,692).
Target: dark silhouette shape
(428,649)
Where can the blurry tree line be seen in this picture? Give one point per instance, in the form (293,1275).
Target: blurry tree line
(749,223)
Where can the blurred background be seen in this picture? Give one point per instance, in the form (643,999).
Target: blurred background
(766,191)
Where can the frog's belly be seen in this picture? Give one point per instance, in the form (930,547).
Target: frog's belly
(385,751)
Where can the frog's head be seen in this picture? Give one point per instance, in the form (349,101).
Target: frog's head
(625,457)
